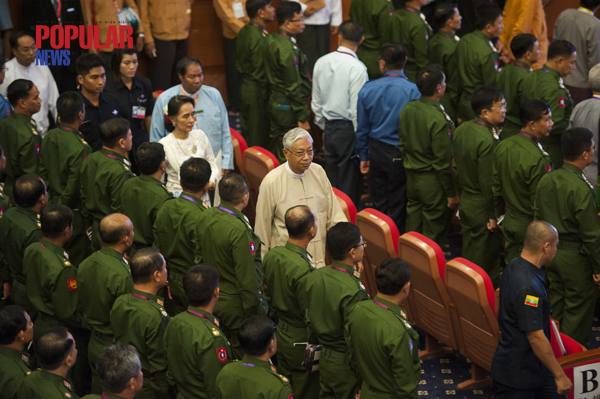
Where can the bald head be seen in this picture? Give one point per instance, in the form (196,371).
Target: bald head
(114,227)
(538,234)
(298,221)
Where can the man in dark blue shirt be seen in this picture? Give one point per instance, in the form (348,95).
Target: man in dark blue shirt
(379,105)
(524,365)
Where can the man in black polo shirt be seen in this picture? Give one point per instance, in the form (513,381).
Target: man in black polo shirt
(524,365)
(99,106)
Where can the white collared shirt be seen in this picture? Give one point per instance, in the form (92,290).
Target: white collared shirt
(337,79)
(292,173)
(330,14)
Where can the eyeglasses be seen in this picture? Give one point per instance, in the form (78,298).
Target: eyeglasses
(594,148)
(302,154)
(28,49)
(362,244)
(502,108)
(297,20)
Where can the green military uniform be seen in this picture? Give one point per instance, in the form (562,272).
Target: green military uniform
(519,164)
(101,278)
(14,367)
(477,65)
(103,396)
(228,242)
(141,197)
(250,47)
(4,201)
(21,143)
(102,177)
(44,384)
(424,132)
(375,17)
(139,319)
(442,51)
(385,349)
(410,28)
(175,235)
(510,80)
(332,293)
(565,199)
(61,158)
(474,143)
(289,87)
(286,270)
(19,228)
(196,350)
(546,84)
(252,378)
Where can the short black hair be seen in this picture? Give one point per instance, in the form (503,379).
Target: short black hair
(428,78)
(444,12)
(113,233)
(28,189)
(299,225)
(253,6)
(173,108)
(484,97)
(391,276)
(351,31)
(560,48)
(113,130)
(487,14)
(69,105)
(149,156)
(55,218)
(256,333)
(199,284)
(232,188)
(117,56)
(575,141)
(589,4)
(88,61)
(116,365)
(287,10)
(53,347)
(18,90)
(393,54)
(341,238)
(184,63)
(532,111)
(12,322)
(13,40)
(522,43)
(144,263)
(194,174)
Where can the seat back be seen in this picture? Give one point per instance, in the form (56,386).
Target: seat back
(381,235)
(156,93)
(258,162)
(239,146)
(347,205)
(474,301)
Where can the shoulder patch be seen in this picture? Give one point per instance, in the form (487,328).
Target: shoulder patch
(410,344)
(222,355)
(562,101)
(532,301)
(252,247)
(72,284)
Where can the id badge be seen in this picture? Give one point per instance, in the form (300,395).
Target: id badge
(138,112)
(238,10)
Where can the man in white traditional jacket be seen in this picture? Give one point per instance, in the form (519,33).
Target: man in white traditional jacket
(296,182)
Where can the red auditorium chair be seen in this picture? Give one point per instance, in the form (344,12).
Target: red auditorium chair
(347,205)
(239,146)
(429,299)
(258,162)
(156,94)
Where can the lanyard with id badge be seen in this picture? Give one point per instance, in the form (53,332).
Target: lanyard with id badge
(139,111)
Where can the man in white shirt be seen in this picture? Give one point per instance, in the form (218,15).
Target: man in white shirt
(296,182)
(23,67)
(338,78)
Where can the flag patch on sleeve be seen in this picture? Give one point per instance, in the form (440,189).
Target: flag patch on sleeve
(252,247)
(532,301)
(222,355)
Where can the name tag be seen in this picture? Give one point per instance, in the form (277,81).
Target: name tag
(199,111)
(138,112)
(238,10)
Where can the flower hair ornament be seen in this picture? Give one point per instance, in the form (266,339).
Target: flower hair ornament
(167,119)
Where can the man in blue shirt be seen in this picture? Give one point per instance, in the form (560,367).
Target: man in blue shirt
(211,113)
(379,105)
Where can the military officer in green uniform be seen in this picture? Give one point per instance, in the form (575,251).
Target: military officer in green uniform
(254,376)
(196,348)
(4,200)
(385,347)
(410,28)
(103,174)
(286,270)
(175,228)
(526,49)
(565,199)
(424,132)
(375,16)
(16,332)
(19,228)
(442,51)
(332,293)
(477,57)
(142,196)
(140,319)
(519,164)
(56,352)
(547,84)
(227,241)
(101,279)
(19,136)
(61,157)
(474,143)
(287,77)
(250,47)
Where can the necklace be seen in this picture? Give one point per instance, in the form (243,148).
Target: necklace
(194,147)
